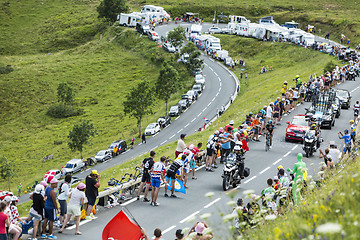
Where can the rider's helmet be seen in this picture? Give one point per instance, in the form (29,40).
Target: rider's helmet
(237,148)
(297,76)
(250,114)
(351,121)
(313,126)
(270,121)
(346,131)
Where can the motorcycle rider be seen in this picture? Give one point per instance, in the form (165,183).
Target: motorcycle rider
(269,130)
(239,160)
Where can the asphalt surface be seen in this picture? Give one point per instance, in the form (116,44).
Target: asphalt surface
(175,213)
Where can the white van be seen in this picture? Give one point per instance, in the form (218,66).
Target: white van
(73,166)
(195,30)
(156,11)
(222,54)
(213,43)
(129,19)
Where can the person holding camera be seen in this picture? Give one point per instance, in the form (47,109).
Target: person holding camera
(92,191)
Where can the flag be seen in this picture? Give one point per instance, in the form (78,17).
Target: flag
(121,227)
(179,186)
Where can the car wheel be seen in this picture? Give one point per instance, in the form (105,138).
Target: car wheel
(286,140)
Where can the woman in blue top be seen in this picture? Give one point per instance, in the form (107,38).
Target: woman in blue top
(51,208)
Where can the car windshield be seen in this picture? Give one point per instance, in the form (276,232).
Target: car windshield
(198,77)
(101,153)
(151,125)
(342,94)
(196,87)
(69,165)
(182,102)
(299,121)
(174,108)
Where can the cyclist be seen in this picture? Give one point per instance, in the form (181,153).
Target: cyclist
(269,130)
(347,140)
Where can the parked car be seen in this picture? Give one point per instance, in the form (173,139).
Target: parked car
(297,128)
(192,94)
(117,147)
(152,128)
(225,30)
(187,97)
(175,111)
(197,71)
(184,57)
(153,36)
(198,87)
(91,161)
(55,173)
(168,47)
(214,30)
(344,97)
(73,166)
(103,155)
(200,79)
(228,61)
(164,121)
(184,103)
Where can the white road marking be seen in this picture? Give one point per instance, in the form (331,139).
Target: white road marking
(211,69)
(202,166)
(81,223)
(154,148)
(155,134)
(220,84)
(163,142)
(128,202)
(217,94)
(216,74)
(219,79)
(287,154)
(213,99)
(294,148)
(193,119)
(169,229)
(209,103)
(220,87)
(87,170)
(204,109)
(189,217)
(277,161)
(211,203)
(199,114)
(179,130)
(186,125)
(177,118)
(187,109)
(172,136)
(127,150)
(211,60)
(249,180)
(264,170)
(140,143)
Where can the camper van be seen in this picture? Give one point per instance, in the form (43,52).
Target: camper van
(221,55)
(237,23)
(157,11)
(213,43)
(290,25)
(129,19)
(195,30)
(267,21)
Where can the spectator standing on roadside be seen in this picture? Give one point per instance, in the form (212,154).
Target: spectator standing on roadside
(178,164)
(269,111)
(19,189)
(77,198)
(51,208)
(4,221)
(157,175)
(179,234)
(276,114)
(356,109)
(36,210)
(284,88)
(334,152)
(92,191)
(246,74)
(347,140)
(181,146)
(143,138)
(147,164)
(132,142)
(241,75)
(64,192)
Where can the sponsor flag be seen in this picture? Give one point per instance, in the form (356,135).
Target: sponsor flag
(179,186)
(122,227)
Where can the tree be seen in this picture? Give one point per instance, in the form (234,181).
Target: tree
(139,101)
(80,136)
(109,9)
(65,94)
(167,83)
(6,170)
(194,62)
(176,37)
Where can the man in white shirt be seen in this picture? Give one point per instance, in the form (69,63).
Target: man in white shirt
(334,152)
(181,146)
(269,111)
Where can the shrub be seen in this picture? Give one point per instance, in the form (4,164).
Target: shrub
(62,111)
(6,69)
(329,67)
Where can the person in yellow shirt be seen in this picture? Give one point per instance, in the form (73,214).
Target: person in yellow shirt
(284,88)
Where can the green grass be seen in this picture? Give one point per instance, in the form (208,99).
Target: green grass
(101,72)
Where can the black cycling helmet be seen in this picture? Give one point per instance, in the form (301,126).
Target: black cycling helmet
(346,131)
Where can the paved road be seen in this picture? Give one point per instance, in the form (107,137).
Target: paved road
(174,213)
(219,87)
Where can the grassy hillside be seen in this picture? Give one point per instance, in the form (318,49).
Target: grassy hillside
(101,72)
(334,16)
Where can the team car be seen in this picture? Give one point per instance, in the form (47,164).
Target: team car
(297,128)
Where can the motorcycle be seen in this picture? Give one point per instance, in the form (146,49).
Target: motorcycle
(310,143)
(231,171)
